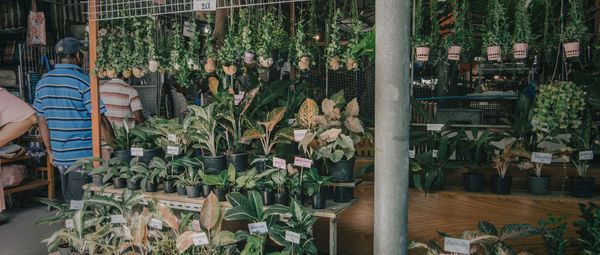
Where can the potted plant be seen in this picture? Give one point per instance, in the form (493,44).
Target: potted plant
(478,150)
(265,133)
(265,184)
(355,38)
(228,53)
(333,49)
(63,213)
(208,136)
(211,65)
(265,44)
(501,183)
(299,52)
(315,182)
(168,172)
(145,138)
(575,32)
(148,177)
(495,34)
(191,178)
(218,182)
(121,143)
(129,175)
(86,165)
(550,36)
(247,42)
(428,172)
(82,237)
(301,222)
(461,34)
(581,145)
(295,183)
(421,40)
(170,133)
(522,32)
(280,179)
(245,182)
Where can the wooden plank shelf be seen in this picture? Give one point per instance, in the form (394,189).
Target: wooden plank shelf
(351,184)
(9,160)
(27,186)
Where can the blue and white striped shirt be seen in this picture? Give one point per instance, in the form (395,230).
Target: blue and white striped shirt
(63,97)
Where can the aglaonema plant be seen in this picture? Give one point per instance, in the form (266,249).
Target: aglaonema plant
(264,131)
(205,123)
(300,222)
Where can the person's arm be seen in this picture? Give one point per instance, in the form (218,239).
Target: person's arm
(139,117)
(45,133)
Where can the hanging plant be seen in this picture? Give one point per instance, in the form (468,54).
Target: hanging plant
(194,47)
(125,62)
(140,51)
(495,35)
(211,65)
(177,54)
(356,37)
(333,48)
(575,32)
(265,44)
(300,54)
(461,36)
(281,38)
(247,44)
(420,40)
(151,56)
(102,50)
(228,54)
(522,33)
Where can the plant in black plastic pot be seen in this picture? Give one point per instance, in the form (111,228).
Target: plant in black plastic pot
(170,133)
(589,236)
(583,143)
(121,143)
(218,182)
(86,166)
(315,183)
(301,222)
(476,147)
(295,183)
(264,183)
(428,173)
(246,181)
(148,177)
(280,179)
(191,178)
(208,136)
(501,183)
(145,138)
(168,172)
(110,170)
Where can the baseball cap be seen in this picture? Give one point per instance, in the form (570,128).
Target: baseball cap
(69,46)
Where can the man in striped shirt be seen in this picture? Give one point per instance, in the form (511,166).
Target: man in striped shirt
(122,103)
(63,105)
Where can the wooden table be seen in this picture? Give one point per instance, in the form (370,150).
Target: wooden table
(332,209)
(32,184)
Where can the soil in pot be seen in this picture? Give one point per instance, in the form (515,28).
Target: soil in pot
(119,183)
(539,185)
(318,201)
(125,155)
(221,194)
(473,181)
(169,186)
(342,171)
(260,164)
(582,187)
(214,165)
(192,190)
(151,187)
(181,190)
(343,194)
(97,180)
(268,197)
(282,198)
(133,185)
(206,189)
(239,161)
(150,154)
(501,186)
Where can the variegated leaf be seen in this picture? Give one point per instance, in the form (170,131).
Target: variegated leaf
(185,241)
(330,135)
(168,216)
(251,134)
(274,117)
(307,111)
(352,108)
(353,124)
(210,212)
(327,106)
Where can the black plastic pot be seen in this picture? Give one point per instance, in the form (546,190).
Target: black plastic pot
(343,194)
(411,180)
(318,201)
(150,154)
(260,165)
(215,165)
(151,187)
(501,186)
(169,186)
(133,185)
(181,190)
(299,197)
(282,198)
(97,180)
(582,187)
(539,185)
(220,194)
(268,197)
(119,183)
(206,189)
(327,192)
(192,190)
(125,155)
(239,161)
(342,170)
(234,189)
(473,181)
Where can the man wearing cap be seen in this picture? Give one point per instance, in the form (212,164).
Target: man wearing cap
(63,106)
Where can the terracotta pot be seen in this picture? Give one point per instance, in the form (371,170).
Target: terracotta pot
(138,73)
(126,74)
(520,50)
(111,73)
(100,74)
(210,65)
(230,70)
(454,53)
(152,66)
(493,53)
(335,63)
(265,62)
(304,63)
(571,49)
(422,54)
(351,64)
(248,58)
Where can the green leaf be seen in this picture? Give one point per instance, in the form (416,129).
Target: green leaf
(512,231)
(487,228)
(256,204)
(237,200)
(240,213)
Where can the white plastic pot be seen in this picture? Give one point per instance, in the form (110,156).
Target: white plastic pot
(493,53)
(571,49)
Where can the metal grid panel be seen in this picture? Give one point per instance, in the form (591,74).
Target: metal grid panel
(148,88)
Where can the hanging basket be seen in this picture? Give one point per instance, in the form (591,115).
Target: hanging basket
(571,49)
(454,53)
(111,73)
(265,61)
(422,54)
(101,74)
(335,63)
(351,64)
(138,73)
(126,73)
(248,58)
(493,53)
(210,65)
(520,50)
(304,63)
(152,66)
(230,70)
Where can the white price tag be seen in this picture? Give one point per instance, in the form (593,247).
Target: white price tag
(457,245)
(137,152)
(117,219)
(434,153)
(69,223)
(237,98)
(279,163)
(127,233)
(172,150)
(76,204)
(292,122)
(299,134)
(258,228)
(411,153)
(196,224)
(205,5)
(540,157)
(188,29)
(586,155)
(435,127)
(172,138)
(303,162)
(155,223)
(292,237)
(200,239)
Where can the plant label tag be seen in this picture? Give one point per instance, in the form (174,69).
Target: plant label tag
(540,157)
(279,163)
(196,224)
(200,239)
(117,219)
(76,204)
(299,134)
(237,98)
(457,245)
(126,233)
(155,223)
(435,127)
(258,228)
(411,153)
(137,152)
(205,5)
(173,150)
(292,122)
(434,153)
(69,223)
(303,162)
(172,138)
(188,29)
(586,155)
(292,237)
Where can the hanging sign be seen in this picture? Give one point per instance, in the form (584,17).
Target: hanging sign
(540,157)
(200,239)
(586,155)
(279,163)
(457,245)
(303,162)
(205,5)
